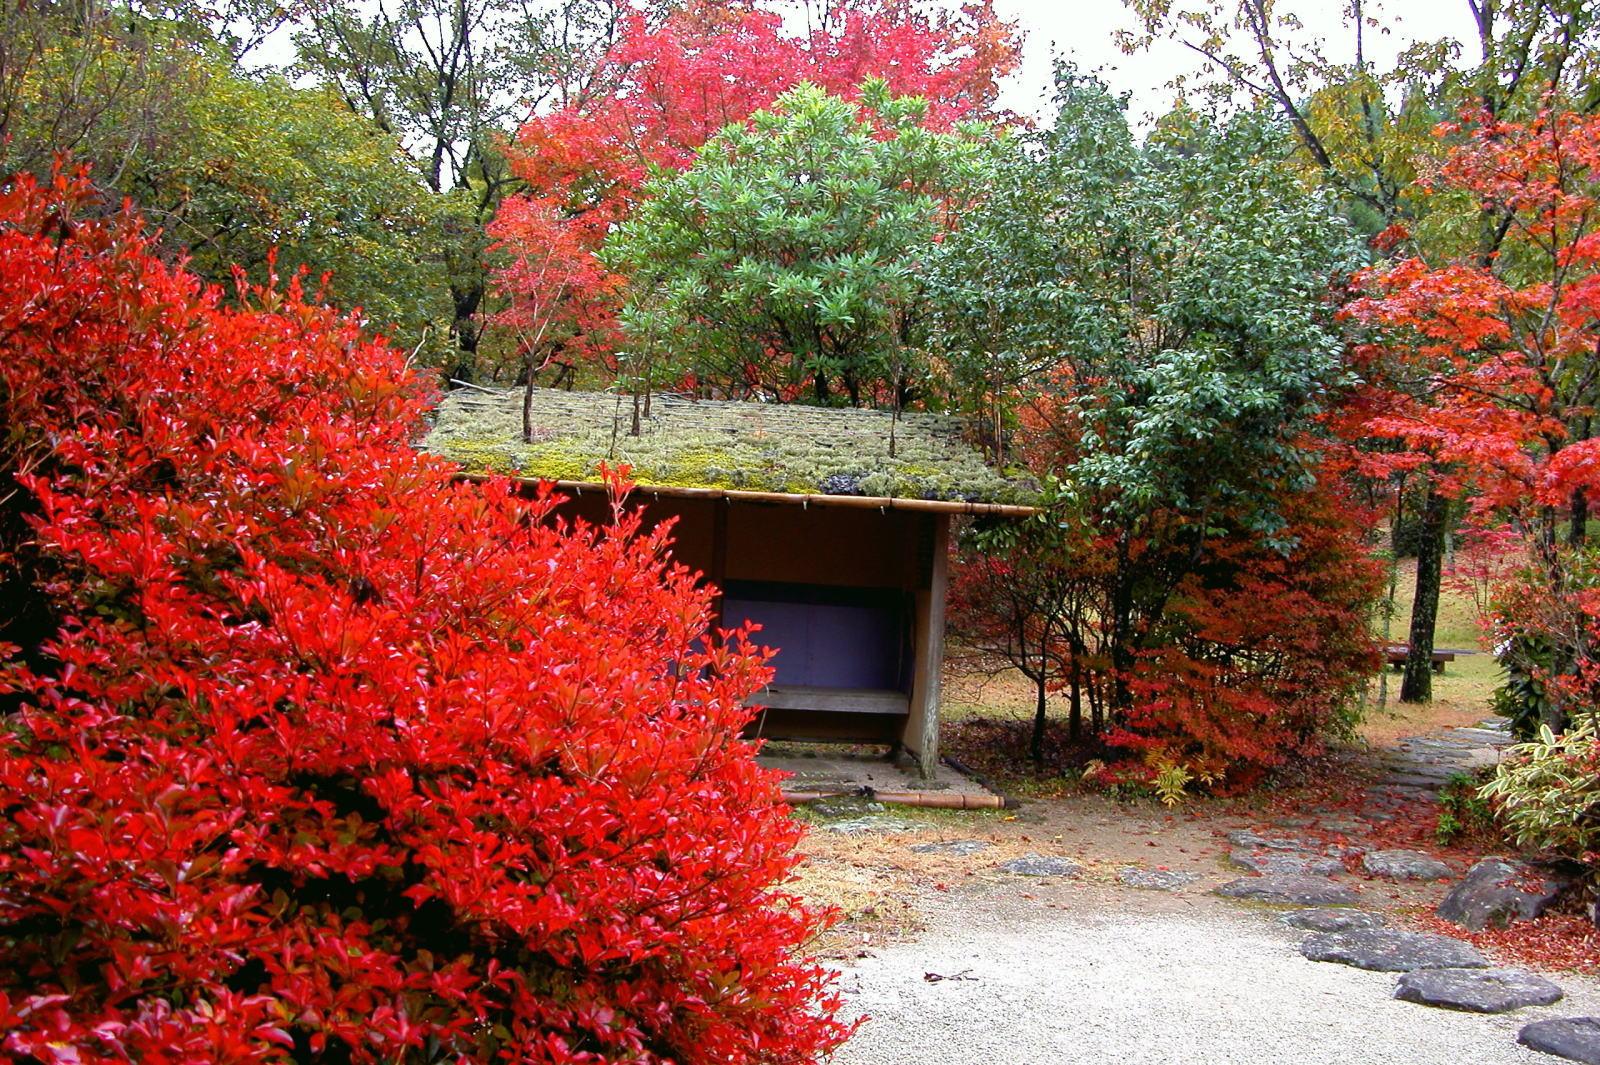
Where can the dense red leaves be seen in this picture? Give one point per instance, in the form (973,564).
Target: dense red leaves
(668,85)
(1263,649)
(1485,372)
(334,759)
(1560,941)
(1488,365)
(565,300)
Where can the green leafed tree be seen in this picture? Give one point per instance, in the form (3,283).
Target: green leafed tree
(787,261)
(451,79)
(1368,133)
(1161,317)
(272,166)
(234,169)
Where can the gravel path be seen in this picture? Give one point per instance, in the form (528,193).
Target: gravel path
(1198,983)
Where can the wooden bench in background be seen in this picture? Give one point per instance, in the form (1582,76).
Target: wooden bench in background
(1398,652)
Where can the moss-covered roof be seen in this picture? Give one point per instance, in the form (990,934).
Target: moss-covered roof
(755,447)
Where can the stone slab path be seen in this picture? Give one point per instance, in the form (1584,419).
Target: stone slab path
(1029,955)
(1417,768)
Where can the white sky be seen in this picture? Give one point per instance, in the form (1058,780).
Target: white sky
(1083,30)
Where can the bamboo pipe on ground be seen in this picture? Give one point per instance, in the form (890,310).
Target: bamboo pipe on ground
(933,800)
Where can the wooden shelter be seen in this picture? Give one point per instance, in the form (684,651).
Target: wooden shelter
(829,527)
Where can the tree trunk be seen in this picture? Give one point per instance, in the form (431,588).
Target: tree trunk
(527,404)
(1417,686)
(819,383)
(1036,744)
(1075,715)
(467,298)
(1121,641)
(1578,531)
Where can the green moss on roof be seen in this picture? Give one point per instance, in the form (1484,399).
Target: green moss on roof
(758,447)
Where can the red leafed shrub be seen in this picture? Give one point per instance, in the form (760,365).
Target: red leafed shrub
(330,758)
(1264,652)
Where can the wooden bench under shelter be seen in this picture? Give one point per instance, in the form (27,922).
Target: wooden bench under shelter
(804,520)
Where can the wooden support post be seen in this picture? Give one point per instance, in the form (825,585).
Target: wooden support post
(719,557)
(921,735)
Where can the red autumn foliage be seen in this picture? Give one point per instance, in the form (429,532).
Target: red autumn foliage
(669,84)
(1559,941)
(1499,350)
(1484,369)
(1238,653)
(565,306)
(1262,650)
(332,758)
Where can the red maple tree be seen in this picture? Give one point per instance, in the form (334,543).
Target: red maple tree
(1486,370)
(332,758)
(1502,348)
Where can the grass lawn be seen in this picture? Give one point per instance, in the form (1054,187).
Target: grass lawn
(1461,694)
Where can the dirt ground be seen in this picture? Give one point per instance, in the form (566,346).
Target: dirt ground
(947,958)
(877,881)
(1024,975)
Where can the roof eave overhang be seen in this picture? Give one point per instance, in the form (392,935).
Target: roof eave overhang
(734,495)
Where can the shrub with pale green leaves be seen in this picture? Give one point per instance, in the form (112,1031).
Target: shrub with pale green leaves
(1547,793)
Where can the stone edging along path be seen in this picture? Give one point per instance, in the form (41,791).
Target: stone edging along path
(1444,972)
(1434,970)
(1313,885)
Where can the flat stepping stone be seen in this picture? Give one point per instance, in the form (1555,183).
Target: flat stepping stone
(1404,865)
(1441,766)
(1495,736)
(1040,865)
(1281,889)
(1387,951)
(1156,879)
(1333,920)
(1420,775)
(856,826)
(1573,1038)
(1403,793)
(1415,780)
(836,807)
(1245,839)
(1496,892)
(1290,864)
(959,847)
(1477,990)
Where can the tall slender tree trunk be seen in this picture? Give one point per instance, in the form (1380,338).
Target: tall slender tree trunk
(1578,531)
(1075,713)
(1417,685)
(1121,630)
(467,297)
(1036,743)
(527,403)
